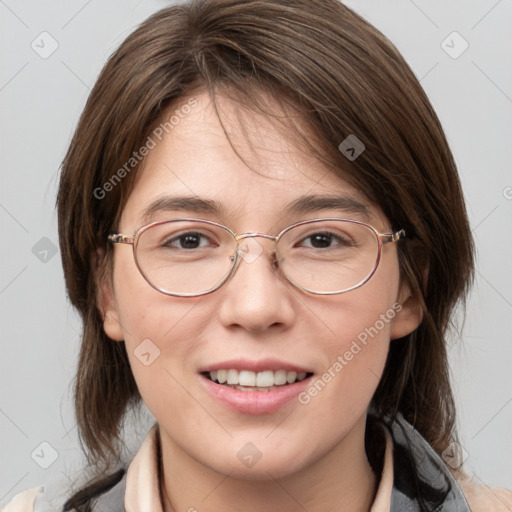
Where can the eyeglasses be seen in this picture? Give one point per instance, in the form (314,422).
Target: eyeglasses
(191,257)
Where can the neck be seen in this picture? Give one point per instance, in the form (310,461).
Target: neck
(342,480)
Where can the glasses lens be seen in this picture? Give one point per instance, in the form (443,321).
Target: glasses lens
(185,257)
(328,256)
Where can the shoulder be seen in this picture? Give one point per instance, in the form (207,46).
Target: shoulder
(440,484)
(108,495)
(23,501)
(482,498)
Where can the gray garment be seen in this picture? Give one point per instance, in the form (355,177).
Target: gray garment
(422,481)
(421,478)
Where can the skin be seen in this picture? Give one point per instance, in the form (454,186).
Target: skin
(312,454)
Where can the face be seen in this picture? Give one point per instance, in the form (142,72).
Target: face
(257,321)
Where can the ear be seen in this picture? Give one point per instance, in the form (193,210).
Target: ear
(408,317)
(106,298)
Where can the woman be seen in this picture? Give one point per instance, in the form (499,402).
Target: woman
(299,241)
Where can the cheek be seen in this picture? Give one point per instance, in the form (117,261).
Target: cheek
(356,343)
(161,332)
(357,349)
(146,313)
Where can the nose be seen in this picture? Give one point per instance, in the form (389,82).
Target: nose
(256,297)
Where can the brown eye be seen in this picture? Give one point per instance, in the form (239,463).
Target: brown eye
(324,240)
(190,240)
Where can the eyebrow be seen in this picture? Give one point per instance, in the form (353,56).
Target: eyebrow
(180,203)
(302,205)
(311,204)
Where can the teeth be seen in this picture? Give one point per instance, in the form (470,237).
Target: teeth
(247,380)
(251,388)
(233,377)
(265,379)
(280,377)
(290,377)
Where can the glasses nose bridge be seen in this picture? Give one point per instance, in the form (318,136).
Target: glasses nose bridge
(250,254)
(247,236)
(244,236)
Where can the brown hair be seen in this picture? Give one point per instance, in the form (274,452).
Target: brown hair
(343,77)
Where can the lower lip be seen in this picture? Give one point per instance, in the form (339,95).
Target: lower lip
(255,402)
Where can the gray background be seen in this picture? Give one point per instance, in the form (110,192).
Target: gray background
(41,99)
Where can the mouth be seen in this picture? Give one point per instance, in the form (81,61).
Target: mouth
(255,386)
(247,380)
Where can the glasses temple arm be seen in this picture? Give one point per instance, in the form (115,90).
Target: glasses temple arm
(393,237)
(121,239)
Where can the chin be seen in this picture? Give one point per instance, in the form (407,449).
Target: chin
(270,469)
(261,460)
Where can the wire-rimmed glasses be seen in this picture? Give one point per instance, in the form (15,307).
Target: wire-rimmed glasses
(189,257)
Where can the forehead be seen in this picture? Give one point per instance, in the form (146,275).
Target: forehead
(246,167)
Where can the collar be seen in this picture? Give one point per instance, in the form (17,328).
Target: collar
(142,492)
(422,481)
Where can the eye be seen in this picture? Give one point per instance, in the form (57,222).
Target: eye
(187,241)
(325,240)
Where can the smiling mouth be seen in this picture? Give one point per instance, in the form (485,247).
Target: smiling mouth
(246,380)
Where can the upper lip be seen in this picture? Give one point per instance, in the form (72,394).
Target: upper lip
(255,366)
